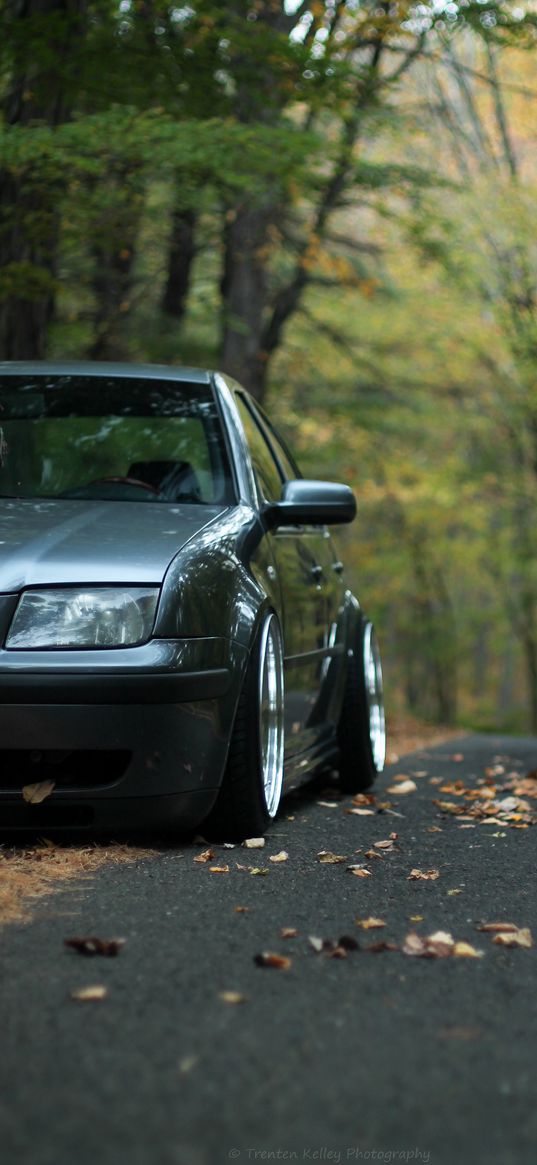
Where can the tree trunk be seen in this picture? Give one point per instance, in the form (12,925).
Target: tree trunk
(181,255)
(114,250)
(244,296)
(40,90)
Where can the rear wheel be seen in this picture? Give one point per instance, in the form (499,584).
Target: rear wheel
(361,729)
(252,784)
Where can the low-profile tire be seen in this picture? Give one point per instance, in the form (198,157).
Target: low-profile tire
(361,729)
(251,789)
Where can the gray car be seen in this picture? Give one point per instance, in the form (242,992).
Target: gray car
(178,641)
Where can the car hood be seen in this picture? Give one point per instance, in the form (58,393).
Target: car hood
(60,542)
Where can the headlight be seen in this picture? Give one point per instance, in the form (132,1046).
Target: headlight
(103,617)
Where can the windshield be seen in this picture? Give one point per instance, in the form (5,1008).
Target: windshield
(111,438)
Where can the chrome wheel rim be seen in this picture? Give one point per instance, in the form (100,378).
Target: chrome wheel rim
(375,698)
(271,723)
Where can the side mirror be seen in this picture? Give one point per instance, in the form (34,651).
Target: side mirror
(312,503)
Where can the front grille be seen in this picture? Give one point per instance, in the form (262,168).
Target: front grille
(69,769)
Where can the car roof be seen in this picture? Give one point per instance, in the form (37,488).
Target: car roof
(102,368)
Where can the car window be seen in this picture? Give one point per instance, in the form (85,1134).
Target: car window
(284,457)
(266,470)
(106,438)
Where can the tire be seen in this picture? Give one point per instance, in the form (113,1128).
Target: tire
(251,789)
(361,729)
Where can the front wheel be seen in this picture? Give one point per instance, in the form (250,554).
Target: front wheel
(361,729)
(251,789)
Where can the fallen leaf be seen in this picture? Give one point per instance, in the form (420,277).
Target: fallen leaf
(281,857)
(434,829)
(518,938)
(269,959)
(361,812)
(369,923)
(254,842)
(372,853)
(315,943)
(89,994)
(363,799)
(403,788)
(259,871)
(359,871)
(387,845)
(219,869)
(328,858)
(288,932)
(206,856)
(242,909)
(381,945)
(232,997)
(423,875)
(466,950)
(337,952)
(460,1033)
(347,943)
(416,918)
(437,946)
(328,804)
(451,893)
(499,927)
(34,794)
(95,946)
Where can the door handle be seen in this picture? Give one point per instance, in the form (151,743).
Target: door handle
(316,572)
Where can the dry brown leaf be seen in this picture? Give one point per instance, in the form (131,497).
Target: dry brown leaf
(232,997)
(89,994)
(270,959)
(281,857)
(242,909)
(360,871)
(402,788)
(328,804)
(465,950)
(416,918)
(361,812)
(436,946)
(369,923)
(423,875)
(34,794)
(254,842)
(96,946)
(371,853)
(219,869)
(499,927)
(389,844)
(328,858)
(347,943)
(259,871)
(288,932)
(518,938)
(381,945)
(206,856)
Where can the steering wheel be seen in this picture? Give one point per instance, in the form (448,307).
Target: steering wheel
(126,481)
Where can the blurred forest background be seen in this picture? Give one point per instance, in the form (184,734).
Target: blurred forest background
(334,201)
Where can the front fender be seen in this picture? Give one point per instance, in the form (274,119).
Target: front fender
(219,584)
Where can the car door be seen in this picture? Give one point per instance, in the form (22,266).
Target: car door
(330,575)
(299,576)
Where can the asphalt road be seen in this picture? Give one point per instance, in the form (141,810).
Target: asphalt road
(372,1057)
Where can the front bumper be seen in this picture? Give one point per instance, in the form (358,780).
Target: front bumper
(130,737)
